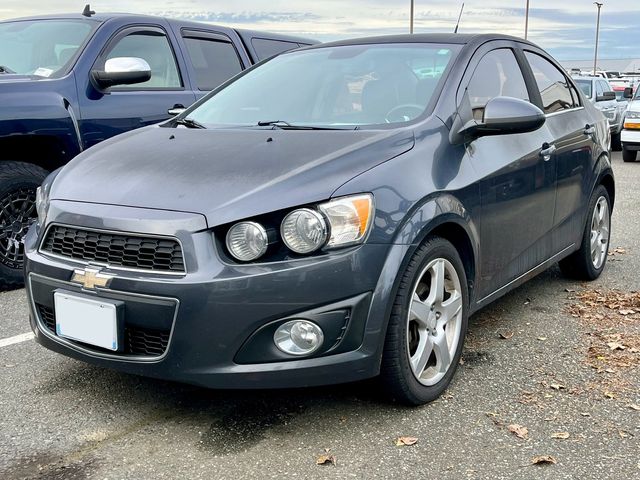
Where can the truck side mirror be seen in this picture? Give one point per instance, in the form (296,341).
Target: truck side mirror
(121,71)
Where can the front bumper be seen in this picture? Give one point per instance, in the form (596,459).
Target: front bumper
(208,315)
(630,139)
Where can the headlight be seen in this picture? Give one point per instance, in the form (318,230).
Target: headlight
(247,241)
(349,218)
(304,230)
(632,115)
(42,205)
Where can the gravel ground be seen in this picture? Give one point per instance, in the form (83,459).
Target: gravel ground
(62,419)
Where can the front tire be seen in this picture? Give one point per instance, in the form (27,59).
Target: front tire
(629,155)
(18,183)
(427,326)
(589,261)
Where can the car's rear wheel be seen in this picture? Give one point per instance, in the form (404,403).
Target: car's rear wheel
(588,262)
(18,184)
(428,324)
(629,155)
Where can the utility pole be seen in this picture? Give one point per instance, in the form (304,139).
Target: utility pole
(411,20)
(526,21)
(595,57)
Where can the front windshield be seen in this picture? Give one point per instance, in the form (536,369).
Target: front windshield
(40,47)
(585,86)
(333,87)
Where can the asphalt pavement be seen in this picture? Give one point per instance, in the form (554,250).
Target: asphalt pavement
(528,369)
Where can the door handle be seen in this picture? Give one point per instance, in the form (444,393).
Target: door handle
(589,129)
(177,109)
(547,151)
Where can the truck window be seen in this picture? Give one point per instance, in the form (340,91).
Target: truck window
(213,61)
(153,47)
(268,48)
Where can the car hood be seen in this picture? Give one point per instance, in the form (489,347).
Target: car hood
(224,174)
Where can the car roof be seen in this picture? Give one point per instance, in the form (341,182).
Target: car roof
(451,38)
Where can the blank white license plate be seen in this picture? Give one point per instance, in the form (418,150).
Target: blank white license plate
(87,320)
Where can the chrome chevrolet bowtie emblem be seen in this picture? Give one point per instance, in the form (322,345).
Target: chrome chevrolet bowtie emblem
(90,278)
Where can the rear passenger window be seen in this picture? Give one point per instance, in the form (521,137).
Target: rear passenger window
(268,48)
(599,89)
(555,89)
(214,61)
(497,75)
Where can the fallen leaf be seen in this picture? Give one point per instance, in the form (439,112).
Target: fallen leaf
(518,430)
(505,335)
(609,394)
(616,346)
(557,386)
(527,301)
(635,407)
(585,414)
(543,459)
(326,458)
(625,311)
(406,441)
(561,435)
(542,339)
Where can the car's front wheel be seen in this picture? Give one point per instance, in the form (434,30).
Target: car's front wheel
(18,184)
(427,326)
(588,262)
(629,155)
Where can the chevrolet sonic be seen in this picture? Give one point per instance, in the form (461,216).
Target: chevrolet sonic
(333,214)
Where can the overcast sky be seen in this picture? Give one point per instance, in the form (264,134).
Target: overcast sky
(564,27)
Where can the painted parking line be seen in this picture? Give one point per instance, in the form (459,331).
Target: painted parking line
(23,337)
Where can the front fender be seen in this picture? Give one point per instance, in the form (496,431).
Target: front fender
(36,124)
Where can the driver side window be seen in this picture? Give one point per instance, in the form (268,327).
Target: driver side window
(153,47)
(497,75)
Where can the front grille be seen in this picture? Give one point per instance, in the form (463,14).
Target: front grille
(48,317)
(116,250)
(138,340)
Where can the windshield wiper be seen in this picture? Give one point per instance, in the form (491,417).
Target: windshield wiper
(288,126)
(190,123)
(4,69)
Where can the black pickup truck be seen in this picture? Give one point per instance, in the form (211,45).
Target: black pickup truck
(68,82)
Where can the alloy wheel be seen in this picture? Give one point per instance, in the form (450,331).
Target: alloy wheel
(434,321)
(600,222)
(17,213)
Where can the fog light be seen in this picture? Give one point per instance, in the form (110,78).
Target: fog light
(298,337)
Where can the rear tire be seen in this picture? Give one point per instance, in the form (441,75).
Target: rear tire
(427,326)
(589,261)
(18,183)
(629,155)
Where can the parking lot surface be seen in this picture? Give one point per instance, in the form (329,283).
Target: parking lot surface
(550,370)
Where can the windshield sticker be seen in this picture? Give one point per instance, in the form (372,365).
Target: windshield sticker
(43,72)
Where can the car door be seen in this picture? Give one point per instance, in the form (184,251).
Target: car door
(571,128)
(517,189)
(122,108)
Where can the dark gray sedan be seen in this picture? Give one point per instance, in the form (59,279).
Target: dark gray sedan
(331,215)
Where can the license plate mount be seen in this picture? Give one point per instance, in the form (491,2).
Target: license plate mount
(91,320)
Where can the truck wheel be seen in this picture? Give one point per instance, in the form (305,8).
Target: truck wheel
(616,145)
(629,155)
(588,262)
(18,183)
(427,326)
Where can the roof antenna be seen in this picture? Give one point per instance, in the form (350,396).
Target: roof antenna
(87,12)
(459,17)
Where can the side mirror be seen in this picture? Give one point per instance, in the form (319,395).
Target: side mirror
(628,93)
(606,96)
(122,71)
(506,115)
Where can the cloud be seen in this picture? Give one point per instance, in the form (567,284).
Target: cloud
(566,32)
